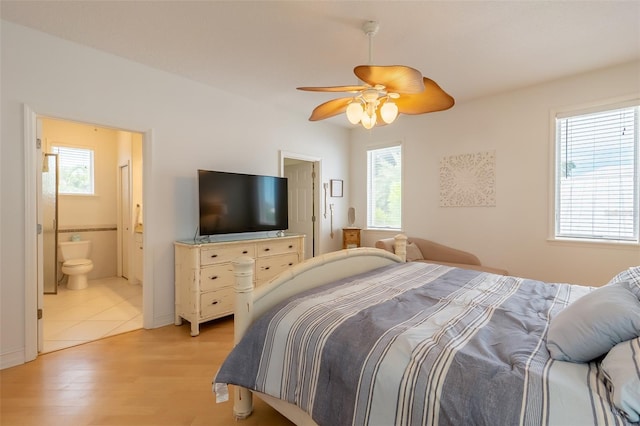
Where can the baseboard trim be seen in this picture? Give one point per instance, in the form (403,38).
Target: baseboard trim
(11,359)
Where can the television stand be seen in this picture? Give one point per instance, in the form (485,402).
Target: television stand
(204,278)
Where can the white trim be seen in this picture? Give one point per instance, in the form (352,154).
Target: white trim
(378,146)
(148,284)
(563,112)
(30,238)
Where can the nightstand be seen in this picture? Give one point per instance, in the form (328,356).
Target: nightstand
(350,237)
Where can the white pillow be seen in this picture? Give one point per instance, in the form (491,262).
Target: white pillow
(595,323)
(621,368)
(413,253)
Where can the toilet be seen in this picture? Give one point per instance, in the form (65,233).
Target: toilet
(76,264)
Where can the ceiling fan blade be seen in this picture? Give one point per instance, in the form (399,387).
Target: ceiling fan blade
(352,89)
(432,99)
(330,108)
(395,78)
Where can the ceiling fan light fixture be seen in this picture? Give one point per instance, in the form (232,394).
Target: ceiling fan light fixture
(389,111)
(368,121)
(354,112)
(385,92)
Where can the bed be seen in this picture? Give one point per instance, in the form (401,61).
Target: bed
(361,337)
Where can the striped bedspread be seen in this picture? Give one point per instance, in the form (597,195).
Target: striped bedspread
(421,344)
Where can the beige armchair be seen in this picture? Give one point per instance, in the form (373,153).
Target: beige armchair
(429,251)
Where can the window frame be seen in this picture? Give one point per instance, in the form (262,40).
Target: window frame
(55,146)
(576,110)
(376,147)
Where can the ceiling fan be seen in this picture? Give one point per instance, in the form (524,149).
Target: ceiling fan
(385,92)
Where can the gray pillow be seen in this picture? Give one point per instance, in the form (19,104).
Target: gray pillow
(413,253)
(621,368)
(630,279)
(595,323)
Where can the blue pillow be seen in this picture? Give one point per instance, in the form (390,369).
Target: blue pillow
(592,325)
(621,368)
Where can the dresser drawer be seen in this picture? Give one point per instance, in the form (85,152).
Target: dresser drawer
(213,255)
(217,276)
(217,303)
(271,247)
(269,267)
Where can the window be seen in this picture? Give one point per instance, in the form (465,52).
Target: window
(384,187)
(75,170)
(596,168)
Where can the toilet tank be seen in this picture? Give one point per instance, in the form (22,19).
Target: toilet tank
(73,250)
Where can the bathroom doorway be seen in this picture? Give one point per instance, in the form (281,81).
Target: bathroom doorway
(100,213)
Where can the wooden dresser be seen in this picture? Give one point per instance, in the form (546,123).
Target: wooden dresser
(204,279)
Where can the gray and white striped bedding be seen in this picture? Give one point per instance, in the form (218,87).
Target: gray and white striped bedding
(422,344)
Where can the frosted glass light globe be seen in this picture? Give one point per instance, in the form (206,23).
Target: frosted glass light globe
(354,112)
(389,112)
(368,121)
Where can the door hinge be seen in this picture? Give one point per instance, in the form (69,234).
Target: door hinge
(38,143)
(39,228)
(313,175)
(313,218)
(40,313)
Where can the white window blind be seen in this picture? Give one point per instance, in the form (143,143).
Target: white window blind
(75,170)
(597,175)
(384,188)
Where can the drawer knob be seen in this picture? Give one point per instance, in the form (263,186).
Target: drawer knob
(214,255)
(244,252)
(290,263)
(290,246)
(215,302)
(267,249)
(266,268)
(215,277)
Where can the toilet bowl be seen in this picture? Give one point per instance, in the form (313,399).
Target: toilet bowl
(76,264)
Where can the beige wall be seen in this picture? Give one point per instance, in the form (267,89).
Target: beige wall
(513,234)
(91,210)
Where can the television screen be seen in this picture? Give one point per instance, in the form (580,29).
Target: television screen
(237,203)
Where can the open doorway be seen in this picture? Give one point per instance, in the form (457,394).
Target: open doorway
(100,180)
(303,173)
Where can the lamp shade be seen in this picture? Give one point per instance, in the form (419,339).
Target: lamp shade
(354,112)
(389,112)
(368,121)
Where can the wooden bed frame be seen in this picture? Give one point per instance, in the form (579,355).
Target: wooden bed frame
(251,303)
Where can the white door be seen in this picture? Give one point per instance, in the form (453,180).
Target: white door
(40,236)
(125,220)
(300,175)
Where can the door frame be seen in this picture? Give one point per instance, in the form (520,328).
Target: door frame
(317,224)
(33,283)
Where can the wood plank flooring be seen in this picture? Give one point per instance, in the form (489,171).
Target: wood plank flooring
(144,377)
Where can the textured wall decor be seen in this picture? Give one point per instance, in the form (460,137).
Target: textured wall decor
(468,180)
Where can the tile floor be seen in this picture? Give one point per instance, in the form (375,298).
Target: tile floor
(108,306)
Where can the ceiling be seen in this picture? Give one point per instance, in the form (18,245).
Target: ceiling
(263,50)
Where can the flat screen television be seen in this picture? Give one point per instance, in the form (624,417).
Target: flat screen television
(238,203)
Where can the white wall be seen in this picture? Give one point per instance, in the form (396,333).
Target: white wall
(513,234)
(192,126)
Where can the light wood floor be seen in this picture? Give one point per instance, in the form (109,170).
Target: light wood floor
(144,377)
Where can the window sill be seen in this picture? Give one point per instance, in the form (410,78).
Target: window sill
(620,245)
